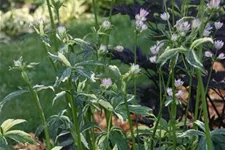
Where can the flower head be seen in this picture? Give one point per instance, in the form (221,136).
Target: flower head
(214,4)
(142,15)
(218,44)
(106,82)
(165,16)
(183,26)
(119,48)
(208,54)
(103,49)
(134,69)
(106,24)
(141,26)
(221,56)
(174,37)
(179,94)
(155,49)
(218,25)
(178,82)
(169,91)
(152,59)
(207,30)
(196,23)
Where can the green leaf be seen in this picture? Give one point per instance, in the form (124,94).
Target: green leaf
(42,87)
(58,95)
(57,148)
(192,59)
(169,53)
(84,141)
(192,132)
(20,137)
(10,96)
(200,41)
(61,58)
(106,105)
(116,138)
(65,75)
(9,123)
(200,124)
(139,110)
(115,70)
(4,146)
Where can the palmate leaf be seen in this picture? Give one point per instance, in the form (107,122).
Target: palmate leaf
(193,60)
(169,53)
(11,96)
(20,137)
(9,123)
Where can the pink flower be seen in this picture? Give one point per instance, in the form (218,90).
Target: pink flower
(106,82)
(214,4)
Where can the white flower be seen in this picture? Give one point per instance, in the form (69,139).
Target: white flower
(155,49)
(207,30)
(206,33)
(218,25)
(208,54)
(165,16)
(183,26)
(179,94)
(169,91)
(214,4)
(103,49)
(178,82)
(218,44)
(196,23)
(106,24)
(119,48)
(221,56)
(174,37)
(142,15)
(61,30)
(152,59)
(134,69)
(106,82)
(141,26)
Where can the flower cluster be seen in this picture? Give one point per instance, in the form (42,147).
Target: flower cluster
(218,45)
(106,82)
(155,50)
(178,83)
(140,18)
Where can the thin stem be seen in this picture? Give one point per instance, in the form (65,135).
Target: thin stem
(96,14)
(74,113)
(128,115)
(108,128)
(52,25)
(50,60)
(40,110)
(161,107)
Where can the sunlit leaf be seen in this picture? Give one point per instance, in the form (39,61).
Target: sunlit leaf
(193,60)
(9,123)
(200,41)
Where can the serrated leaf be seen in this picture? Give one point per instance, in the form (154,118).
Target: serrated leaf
(9,123)
(10,96)
(192,59)
(20,137)
(200,41)
(169,53)
(57,148)
(58,95)
(106,105)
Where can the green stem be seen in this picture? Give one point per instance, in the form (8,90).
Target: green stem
(74,113)
(96,14)
(205,110)
(40,110)
(50,60)
(128,115)
(162,100)
(109,128)
(52,25)
(174,107)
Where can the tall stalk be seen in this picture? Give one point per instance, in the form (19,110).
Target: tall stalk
(39,107)
(128,114)
(74,113)
(96,14)
(53,26)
